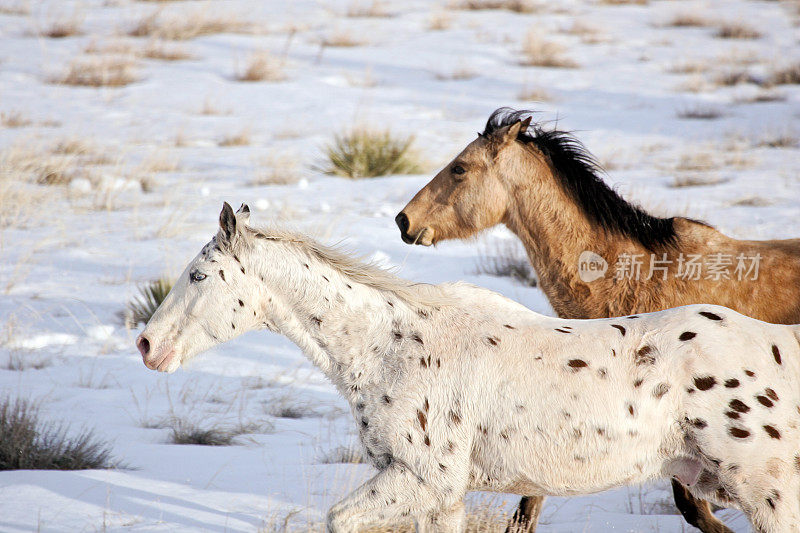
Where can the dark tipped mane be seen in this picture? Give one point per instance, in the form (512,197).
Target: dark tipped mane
(578,174)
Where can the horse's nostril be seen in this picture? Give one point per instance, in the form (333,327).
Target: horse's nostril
(402,222)
(144,345)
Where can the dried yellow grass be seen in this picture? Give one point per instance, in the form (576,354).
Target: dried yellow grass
(183,26)
(440,20)
(737,30)
(368,9)
(236,139)
(19,8)
(63,27)
(99,71)
(341,39)
(14,119)
(165,51)
(534,94)
(516,6)
(688,20)
(540,52)
(277,169)
(262,66)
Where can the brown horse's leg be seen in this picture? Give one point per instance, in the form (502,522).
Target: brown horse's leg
(695,511)
(527,515)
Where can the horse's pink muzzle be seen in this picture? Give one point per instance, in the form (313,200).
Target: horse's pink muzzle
(152,359)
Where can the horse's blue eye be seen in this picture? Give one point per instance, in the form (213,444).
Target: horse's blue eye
(196,276)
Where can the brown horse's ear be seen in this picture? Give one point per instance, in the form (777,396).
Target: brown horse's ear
(515,130)
(227,222)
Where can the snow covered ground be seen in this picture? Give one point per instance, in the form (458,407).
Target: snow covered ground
(138,174)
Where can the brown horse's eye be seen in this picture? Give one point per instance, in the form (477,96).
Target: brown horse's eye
(459,171)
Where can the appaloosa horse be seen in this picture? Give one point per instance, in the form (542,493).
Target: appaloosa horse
(455,388)
(545,187)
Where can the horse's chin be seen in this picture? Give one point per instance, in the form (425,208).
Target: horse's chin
(425,237)
(167,362)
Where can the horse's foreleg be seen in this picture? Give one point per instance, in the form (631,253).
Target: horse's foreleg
(390,496)
(696,511)
(527,515)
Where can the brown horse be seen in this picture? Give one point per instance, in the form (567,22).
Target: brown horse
(597,255)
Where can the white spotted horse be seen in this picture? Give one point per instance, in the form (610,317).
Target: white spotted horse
(455,388)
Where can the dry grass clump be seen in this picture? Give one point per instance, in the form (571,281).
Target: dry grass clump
(141,307)
(688,20)
(506,259)
(365,153)
(691,66)
(534,94)
(457,74)
(700,112)
(779,139)
(440,20)
(736,77)
(516,6)
(27,443)
(262,66)
(165,52)
(236,139)
(101,71)
(683,181)
(277,169)
(623,2)
(588,32)
(289,406)
(789,75)
(14,119)
(184,431)
(19,8)
(373,9)
(736,30)
(539,52)
(182,26)
(762,96)
(63,27)
(343,455)
(341,39)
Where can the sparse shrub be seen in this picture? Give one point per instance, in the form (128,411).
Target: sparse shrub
(700,112)
(184,431)
(374,9)
(141,307)
(343,455)
(19,8)
(262,66)
(181,26)
(440,20)
(506,259)
(63,27)
(236,139)
(165,52)
(28,443)
(696,181)
(534,94)
(365,153)
(539,52)
(516,6)
(14,119)
(289,406)
(736,77)
(688,20)
(102,71)
(789,75)
(342,39)
(779,139)
(736,30)
(763,96)
(459,73)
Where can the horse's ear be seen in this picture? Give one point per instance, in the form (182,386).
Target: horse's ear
(227,222)
(243,213)
(515,130)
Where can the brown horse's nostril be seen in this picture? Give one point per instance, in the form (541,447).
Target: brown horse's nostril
(144,346)
(402,222)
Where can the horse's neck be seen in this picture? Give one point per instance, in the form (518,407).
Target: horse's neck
(555,232)
(344,327)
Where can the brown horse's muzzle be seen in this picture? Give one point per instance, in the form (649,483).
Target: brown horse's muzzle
(423,236)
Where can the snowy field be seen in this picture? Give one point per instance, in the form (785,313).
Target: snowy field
(104,188)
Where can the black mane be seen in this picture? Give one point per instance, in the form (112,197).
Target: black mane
(577,171)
